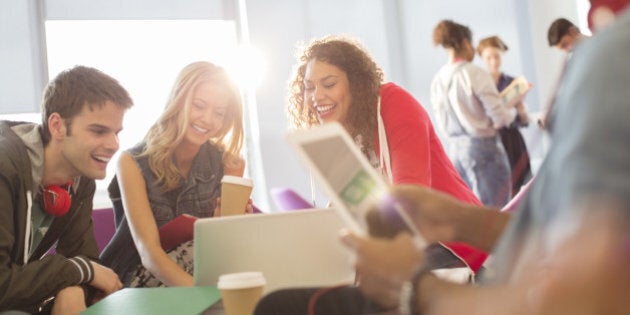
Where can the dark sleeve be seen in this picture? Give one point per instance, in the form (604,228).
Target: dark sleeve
(25,286)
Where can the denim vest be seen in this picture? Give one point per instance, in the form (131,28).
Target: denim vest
(195,195)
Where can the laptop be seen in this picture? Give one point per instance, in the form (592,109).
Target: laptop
(292,249)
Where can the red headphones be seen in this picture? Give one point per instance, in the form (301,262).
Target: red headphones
(56,200)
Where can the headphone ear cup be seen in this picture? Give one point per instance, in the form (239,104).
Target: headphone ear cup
(55,200)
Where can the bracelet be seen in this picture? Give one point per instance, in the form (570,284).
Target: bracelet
(407,297)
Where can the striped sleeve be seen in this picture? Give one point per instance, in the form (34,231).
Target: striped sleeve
(85,268)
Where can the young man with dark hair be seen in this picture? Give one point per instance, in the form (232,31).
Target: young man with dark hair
(563,34)
(47,175)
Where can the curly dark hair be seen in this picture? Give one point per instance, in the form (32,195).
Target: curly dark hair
(364,76)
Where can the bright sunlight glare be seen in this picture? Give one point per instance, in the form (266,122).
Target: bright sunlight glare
(145,56)
(247,67)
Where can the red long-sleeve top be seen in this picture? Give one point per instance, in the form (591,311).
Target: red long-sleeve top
(418,157)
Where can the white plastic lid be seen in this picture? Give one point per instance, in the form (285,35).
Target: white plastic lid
(241,280)
(237,180)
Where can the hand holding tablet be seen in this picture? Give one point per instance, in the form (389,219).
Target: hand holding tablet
(347,177)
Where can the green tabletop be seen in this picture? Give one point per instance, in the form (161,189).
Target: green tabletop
(174,300)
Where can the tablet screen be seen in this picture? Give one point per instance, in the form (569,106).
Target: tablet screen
(345,174)
(347,177)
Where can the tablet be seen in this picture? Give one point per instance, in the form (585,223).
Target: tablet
(346,176)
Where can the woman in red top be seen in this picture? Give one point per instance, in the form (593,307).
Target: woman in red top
(337,80)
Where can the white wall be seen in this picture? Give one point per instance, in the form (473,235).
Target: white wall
(397,33)
(21,65)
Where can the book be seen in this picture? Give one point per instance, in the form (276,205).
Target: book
(177,231)
(515,91)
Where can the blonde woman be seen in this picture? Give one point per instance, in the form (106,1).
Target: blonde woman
(179,164)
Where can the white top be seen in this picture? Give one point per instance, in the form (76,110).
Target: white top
(474,98)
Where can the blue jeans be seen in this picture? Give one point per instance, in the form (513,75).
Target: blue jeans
(483,165)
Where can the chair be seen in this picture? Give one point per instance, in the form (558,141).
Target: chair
(104,227)
(287,199)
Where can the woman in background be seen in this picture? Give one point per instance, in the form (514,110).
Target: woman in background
(491,49)
(180,164)
(469,111)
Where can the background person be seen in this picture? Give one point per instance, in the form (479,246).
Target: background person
(47,174)
(491,49)
(180,164)
(564,35)
(469,112)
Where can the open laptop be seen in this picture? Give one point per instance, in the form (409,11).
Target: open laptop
(291,249)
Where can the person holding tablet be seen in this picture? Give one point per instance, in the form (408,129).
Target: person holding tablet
(180,164)
(336,80)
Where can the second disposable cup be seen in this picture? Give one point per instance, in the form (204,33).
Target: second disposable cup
(241,291)
(235,192)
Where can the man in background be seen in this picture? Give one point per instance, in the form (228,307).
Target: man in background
(564,35)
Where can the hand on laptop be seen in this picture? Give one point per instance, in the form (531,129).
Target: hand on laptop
(384,265)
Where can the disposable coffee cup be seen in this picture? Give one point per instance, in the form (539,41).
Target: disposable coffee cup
(241,291)
(235,192)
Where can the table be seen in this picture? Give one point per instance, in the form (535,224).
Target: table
(168,300)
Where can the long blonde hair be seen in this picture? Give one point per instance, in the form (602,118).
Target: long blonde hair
(169,130)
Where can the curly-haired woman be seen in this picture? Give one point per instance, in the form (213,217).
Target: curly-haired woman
(336,80)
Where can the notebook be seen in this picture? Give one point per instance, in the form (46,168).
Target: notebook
(291,249)
(347,177)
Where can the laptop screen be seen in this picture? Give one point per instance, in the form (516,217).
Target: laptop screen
(296,248)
